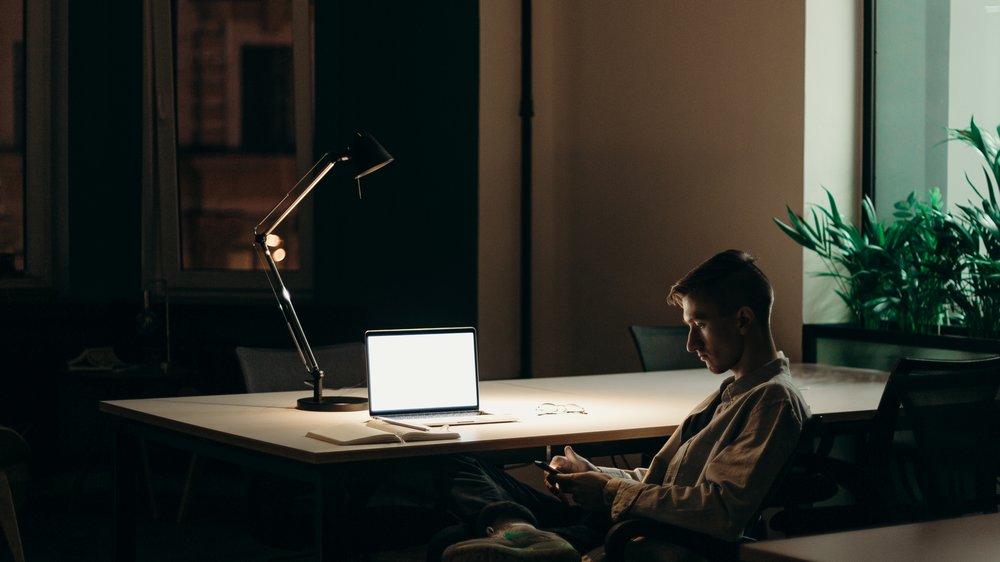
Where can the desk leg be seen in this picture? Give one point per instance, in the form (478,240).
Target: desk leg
(126,473)
(325,519)
(334,538)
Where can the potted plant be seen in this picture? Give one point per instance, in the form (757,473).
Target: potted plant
(929,272)
(904,274)
(980,297)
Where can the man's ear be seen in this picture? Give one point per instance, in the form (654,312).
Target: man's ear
(745,318)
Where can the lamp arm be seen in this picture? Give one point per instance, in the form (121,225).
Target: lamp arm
(297,194)
(291,318)
(265,227)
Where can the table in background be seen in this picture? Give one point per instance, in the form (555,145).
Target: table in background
(266,432)
(976,537)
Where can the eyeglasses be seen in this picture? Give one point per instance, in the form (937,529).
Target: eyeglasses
(548,408)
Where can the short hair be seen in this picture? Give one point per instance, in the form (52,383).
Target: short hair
(730,279)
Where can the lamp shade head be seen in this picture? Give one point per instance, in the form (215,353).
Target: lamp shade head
(367,155)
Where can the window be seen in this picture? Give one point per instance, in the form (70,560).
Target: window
(27,79)
(12,90)
(235,78)
(935,67)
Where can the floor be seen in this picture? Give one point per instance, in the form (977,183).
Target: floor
(63,517)
(67,516)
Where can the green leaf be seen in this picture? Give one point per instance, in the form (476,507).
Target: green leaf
(793,234)
(834,213)
(803,229)
(976,136)
(972,185)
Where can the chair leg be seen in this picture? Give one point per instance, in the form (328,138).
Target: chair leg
(8,519)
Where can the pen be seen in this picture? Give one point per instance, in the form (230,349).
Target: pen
(404,424)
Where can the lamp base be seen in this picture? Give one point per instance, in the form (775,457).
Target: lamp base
(333,404)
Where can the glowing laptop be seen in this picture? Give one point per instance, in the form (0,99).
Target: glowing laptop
(428,376)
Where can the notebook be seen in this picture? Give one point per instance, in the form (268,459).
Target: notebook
(428,376)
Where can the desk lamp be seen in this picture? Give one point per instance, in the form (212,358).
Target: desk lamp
(367,155)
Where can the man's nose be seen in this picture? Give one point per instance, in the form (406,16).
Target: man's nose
(693,343)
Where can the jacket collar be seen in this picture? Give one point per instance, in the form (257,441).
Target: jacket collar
(732,387)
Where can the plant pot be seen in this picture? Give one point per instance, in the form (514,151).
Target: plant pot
(872,348)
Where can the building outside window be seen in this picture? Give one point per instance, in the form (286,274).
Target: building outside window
(238,75)
(12,111)
(29,49)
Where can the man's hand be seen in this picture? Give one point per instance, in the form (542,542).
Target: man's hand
(578,477)
(586,488)
(572,462)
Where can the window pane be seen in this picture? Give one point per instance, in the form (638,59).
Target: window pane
(974,88)
(11,138)
(235,128)
(935,67)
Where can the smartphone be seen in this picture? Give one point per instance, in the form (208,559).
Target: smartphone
(545,466)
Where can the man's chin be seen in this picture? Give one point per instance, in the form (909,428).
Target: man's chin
(714,369)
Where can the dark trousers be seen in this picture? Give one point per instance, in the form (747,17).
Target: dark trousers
(469,486)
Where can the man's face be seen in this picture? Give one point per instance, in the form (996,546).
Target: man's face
(714,336)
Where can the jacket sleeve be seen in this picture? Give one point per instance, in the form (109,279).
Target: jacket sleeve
(735,480)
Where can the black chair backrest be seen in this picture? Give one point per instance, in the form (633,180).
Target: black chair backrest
(662,348)
(952,407)
(804,447)
(275,370)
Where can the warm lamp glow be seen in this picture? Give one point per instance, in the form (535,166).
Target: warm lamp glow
(279,254)
(273,240)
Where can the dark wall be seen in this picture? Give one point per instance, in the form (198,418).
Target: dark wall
(105,149)
(101,274)
(407,72)
(403,256)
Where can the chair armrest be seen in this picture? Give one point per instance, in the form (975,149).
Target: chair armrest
(624,532)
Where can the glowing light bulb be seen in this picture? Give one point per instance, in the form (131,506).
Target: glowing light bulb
(273,240)
(278,254)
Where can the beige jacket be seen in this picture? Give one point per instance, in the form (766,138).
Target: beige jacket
(715,481)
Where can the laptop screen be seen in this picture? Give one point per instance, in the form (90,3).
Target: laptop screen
(422,370)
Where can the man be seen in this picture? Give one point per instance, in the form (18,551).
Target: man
(711,475)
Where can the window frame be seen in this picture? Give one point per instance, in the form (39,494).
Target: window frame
(868,102)
(162,254)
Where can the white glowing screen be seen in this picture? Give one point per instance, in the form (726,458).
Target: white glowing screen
(422,371)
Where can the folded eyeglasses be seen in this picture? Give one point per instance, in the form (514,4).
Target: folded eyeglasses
(549,408)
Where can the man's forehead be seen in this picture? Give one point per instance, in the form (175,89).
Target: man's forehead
(696,307)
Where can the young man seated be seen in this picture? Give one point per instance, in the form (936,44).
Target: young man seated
(711,475)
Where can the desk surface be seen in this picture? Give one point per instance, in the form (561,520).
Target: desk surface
(619,406)
(975,537)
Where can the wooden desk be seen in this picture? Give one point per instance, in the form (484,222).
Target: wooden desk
(266,432)
(975,537)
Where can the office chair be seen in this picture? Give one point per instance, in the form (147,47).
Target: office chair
(875,477)
(277,370)
(663,348)
(13,452)
(954,414)
(936,419)
(638,538)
